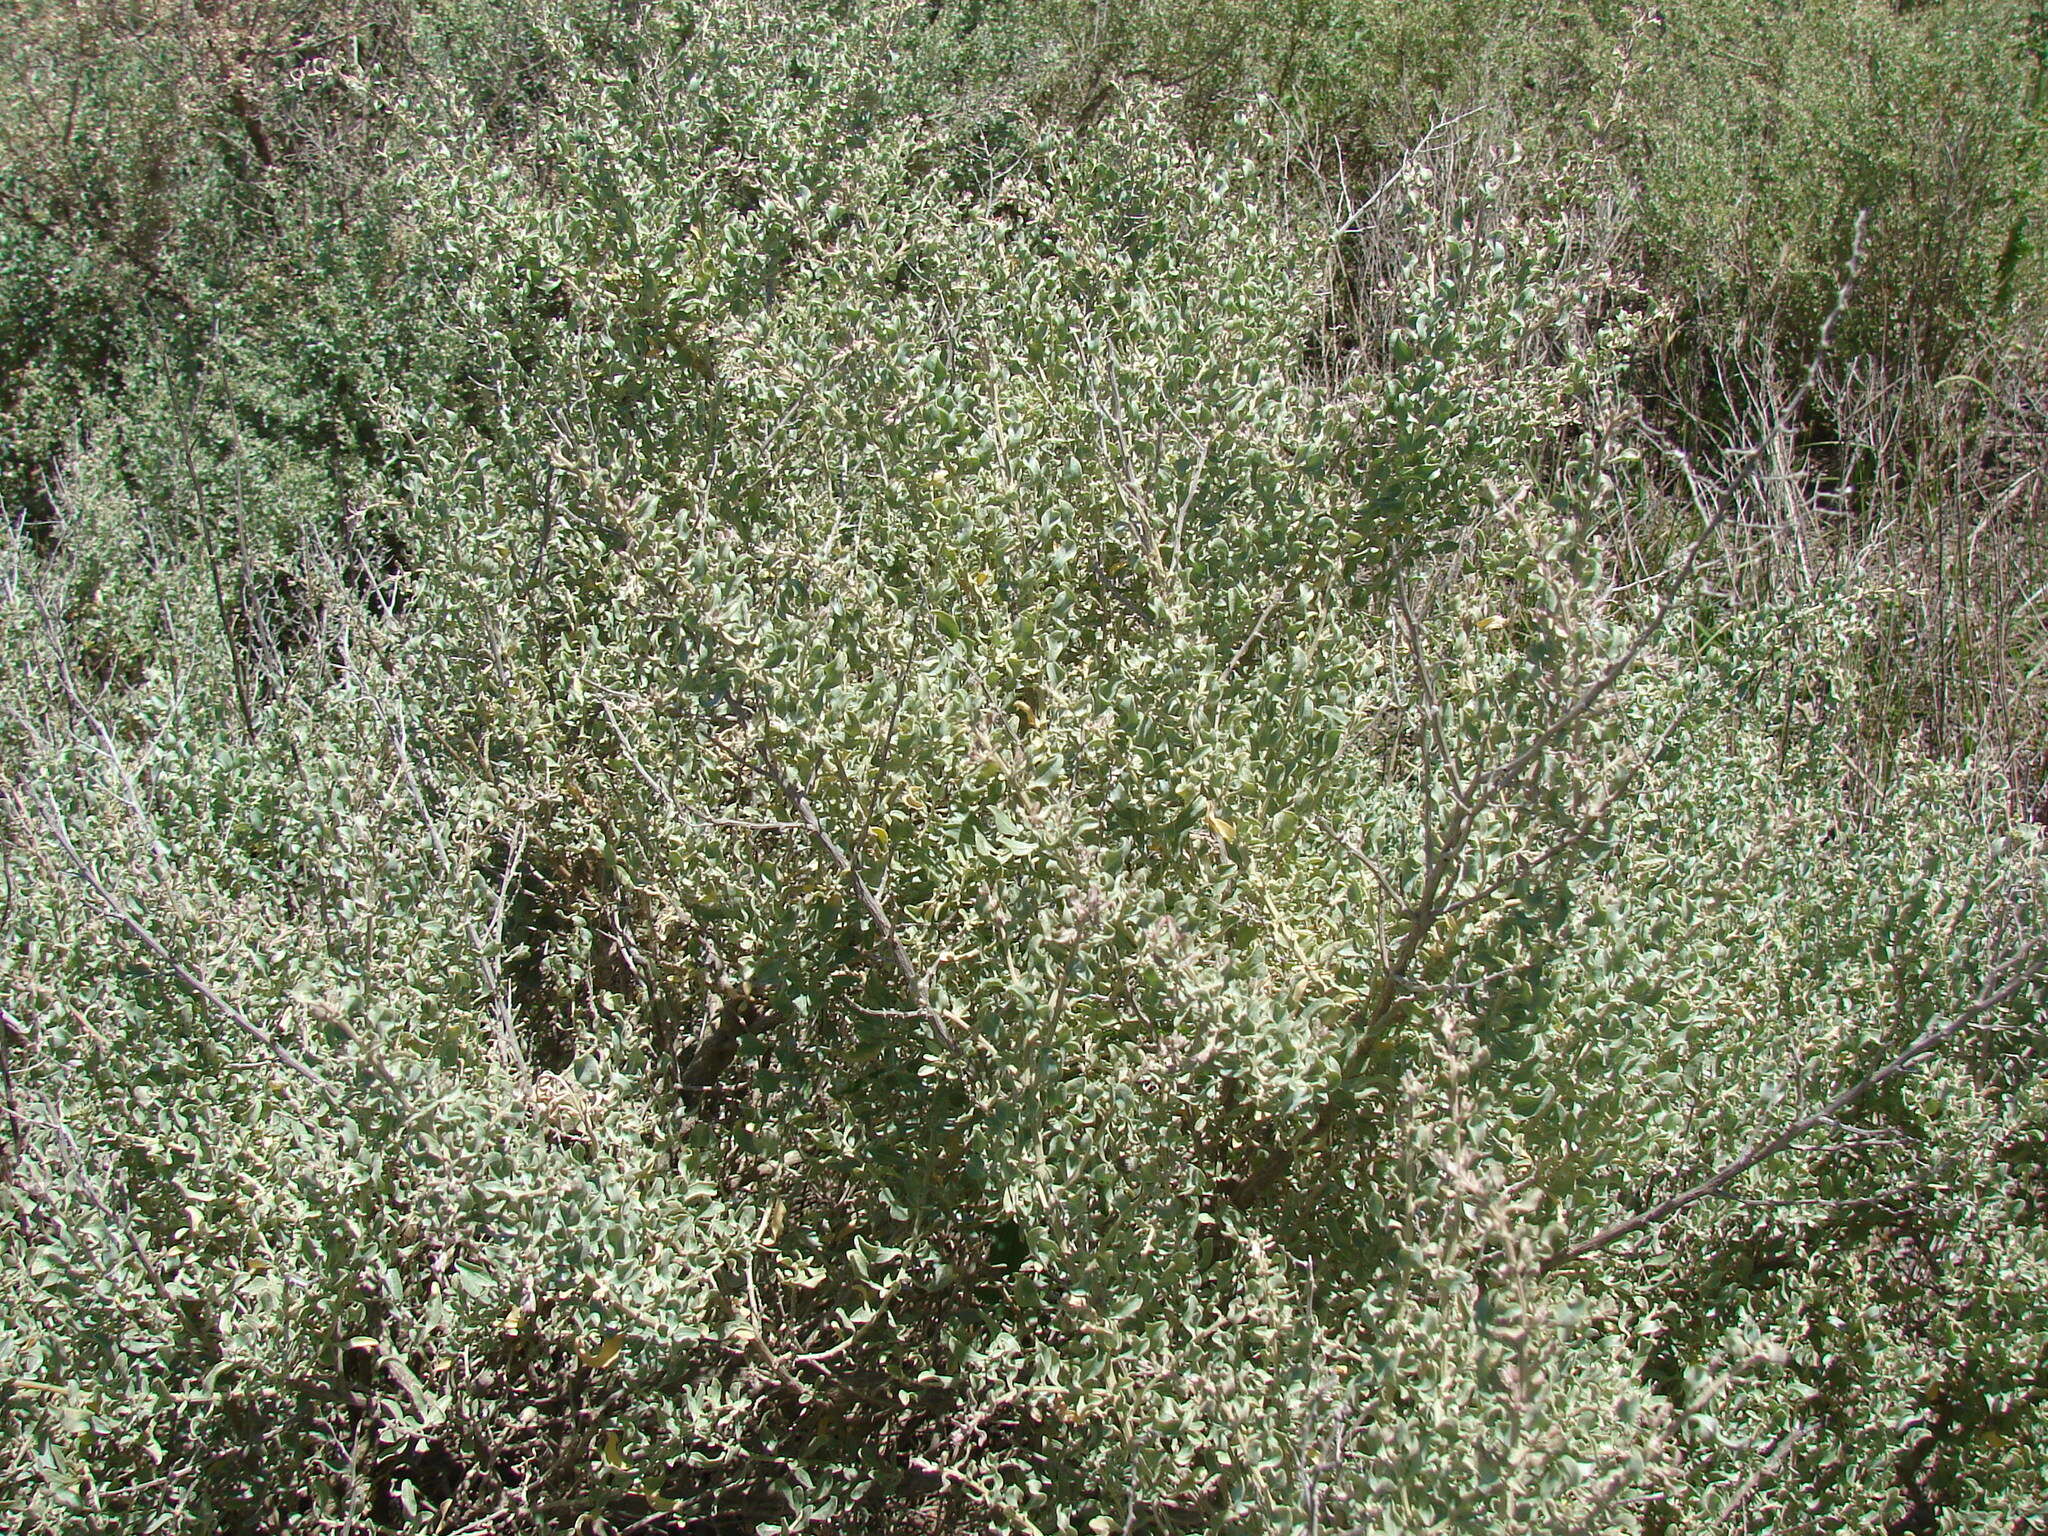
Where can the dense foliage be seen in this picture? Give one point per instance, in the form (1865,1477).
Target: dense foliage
(1022,767)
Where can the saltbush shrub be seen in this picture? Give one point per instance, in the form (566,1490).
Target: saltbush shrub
(759,800)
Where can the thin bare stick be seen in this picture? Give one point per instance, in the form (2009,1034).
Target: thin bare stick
(1999,988)
(824,1357)
(203,518)
(800,804)
(189,979)
(1251,638)
(1781,1450)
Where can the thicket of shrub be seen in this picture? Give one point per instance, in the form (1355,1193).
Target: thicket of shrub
(1053,769)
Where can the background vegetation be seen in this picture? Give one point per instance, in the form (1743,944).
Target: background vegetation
(976,766)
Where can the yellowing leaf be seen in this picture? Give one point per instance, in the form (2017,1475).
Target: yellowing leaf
(605,1353)
(613,1456)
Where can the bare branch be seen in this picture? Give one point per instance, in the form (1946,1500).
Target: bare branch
(800,805)
(2000,987)
(186,977)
